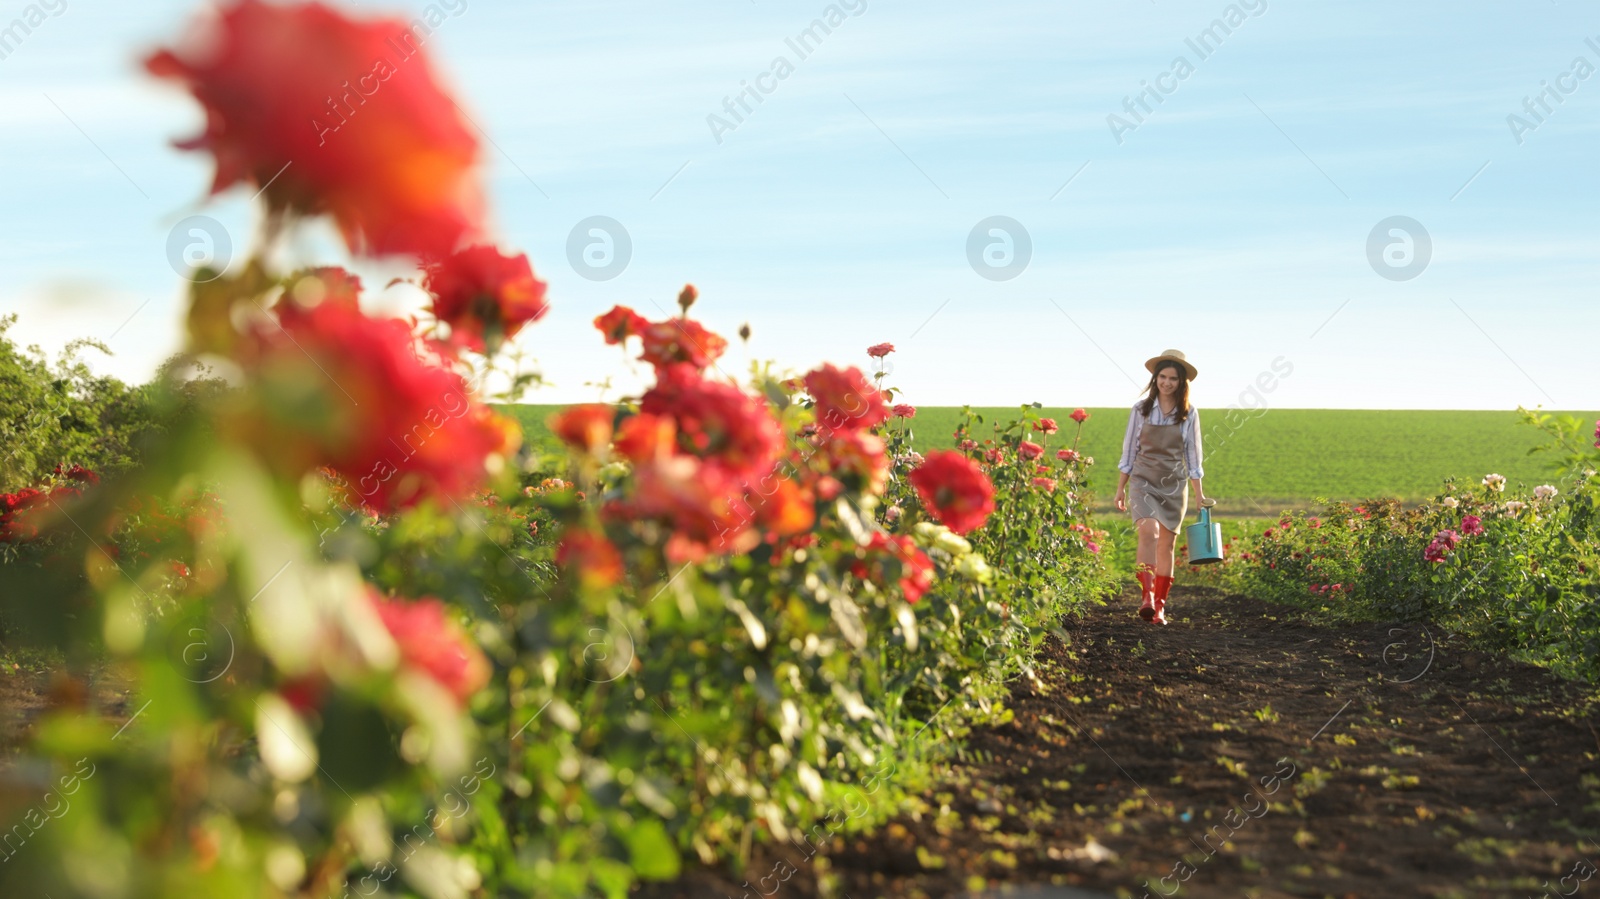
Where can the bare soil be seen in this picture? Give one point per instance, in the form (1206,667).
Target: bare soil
(1240,751)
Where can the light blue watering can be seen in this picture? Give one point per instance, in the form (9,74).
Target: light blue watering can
(1204,538)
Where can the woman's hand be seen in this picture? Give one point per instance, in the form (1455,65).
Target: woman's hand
(1121,500)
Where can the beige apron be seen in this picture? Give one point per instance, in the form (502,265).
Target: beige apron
(1159,483)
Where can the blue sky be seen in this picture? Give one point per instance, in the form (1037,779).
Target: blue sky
(1232,223)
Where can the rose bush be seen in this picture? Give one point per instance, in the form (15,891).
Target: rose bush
(1514,574)
(371,642)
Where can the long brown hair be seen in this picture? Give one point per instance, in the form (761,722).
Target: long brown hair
(1152,391)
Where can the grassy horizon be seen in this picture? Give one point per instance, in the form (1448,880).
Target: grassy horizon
(1262,461)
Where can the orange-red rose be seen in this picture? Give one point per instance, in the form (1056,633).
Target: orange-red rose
(585,427)
(590,557)
(328,114)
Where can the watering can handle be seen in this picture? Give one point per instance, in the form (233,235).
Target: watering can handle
(1208,502)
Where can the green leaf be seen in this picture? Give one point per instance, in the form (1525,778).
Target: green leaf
(654,857)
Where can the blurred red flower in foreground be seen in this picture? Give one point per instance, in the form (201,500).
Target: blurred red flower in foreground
(355,127)
(584,427)
(590,557)
(485,297)
(432,643)
(338,388)
(845,401)
(954,490)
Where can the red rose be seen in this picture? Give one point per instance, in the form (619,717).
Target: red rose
(702,503)
(1029,450)
(333,387)
(879,350)
(642,438)
(904,411)
(994,456)
(1067,455)
(915,573)
(485,297)
(328,114)
(591,557)
(620,323)
(1046,484)
(954,489)
(1046,426)
(788,511)
(716,421)
(681,340)
(585,427)
(1079,416)
(858,456)
(431,642)
(845,401)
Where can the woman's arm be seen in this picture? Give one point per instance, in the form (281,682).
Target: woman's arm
(1130,441)
(1130,449)
(1194,455)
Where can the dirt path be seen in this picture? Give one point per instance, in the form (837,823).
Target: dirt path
(1242,751)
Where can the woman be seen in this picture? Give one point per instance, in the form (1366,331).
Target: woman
(1161,458)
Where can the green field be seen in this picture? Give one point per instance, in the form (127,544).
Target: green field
(1283,458)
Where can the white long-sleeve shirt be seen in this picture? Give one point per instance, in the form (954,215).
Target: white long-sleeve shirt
(1190,432)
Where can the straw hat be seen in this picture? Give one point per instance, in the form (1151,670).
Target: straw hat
(1175,356)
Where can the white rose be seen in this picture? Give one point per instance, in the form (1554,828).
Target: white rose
(952,543)
(973,567)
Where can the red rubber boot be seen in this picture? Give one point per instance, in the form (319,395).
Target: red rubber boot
(1163,584)
(1147,578)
